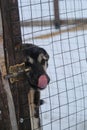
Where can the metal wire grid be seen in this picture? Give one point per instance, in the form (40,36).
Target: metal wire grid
(66,95)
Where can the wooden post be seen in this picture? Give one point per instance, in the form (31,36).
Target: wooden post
(12,42)
(11,31)
(9,98)
(13,55)
(56,14)
(5,123)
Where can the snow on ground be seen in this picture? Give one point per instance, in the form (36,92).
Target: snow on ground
(65,97)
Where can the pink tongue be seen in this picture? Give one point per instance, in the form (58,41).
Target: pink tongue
(42,81)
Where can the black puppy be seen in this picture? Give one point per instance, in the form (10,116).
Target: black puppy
(36,58)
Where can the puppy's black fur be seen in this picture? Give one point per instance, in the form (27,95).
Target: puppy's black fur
(34,51)
(36,58)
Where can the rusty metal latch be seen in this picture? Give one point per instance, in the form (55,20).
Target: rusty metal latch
(15,72)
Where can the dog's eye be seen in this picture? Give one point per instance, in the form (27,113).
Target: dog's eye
(43,62)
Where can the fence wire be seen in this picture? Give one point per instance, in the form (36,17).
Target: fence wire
(65,97)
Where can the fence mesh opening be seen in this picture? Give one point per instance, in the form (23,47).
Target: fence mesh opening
(65,97)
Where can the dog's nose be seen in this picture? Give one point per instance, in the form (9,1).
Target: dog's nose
(43,81)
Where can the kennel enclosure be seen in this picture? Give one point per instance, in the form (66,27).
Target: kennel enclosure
(60,28)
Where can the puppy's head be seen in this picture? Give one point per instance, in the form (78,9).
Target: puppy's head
(37,58)
(37,76)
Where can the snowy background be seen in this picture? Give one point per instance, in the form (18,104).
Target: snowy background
(65,97)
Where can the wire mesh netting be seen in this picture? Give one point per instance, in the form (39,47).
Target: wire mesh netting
(65,97)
